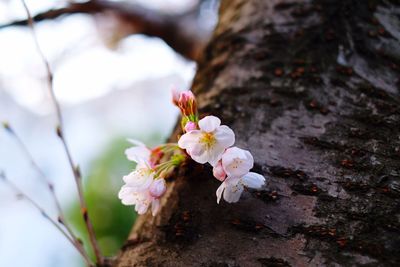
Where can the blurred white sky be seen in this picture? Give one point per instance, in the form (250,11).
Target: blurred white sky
(104,93)
(83,67)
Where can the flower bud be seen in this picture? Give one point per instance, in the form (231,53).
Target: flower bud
(190,126)
(157,188)
(186,102)
(219,171)
(186,96)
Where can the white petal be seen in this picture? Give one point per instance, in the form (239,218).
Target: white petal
(224,136)
(127,195)
(142,207)
(253,180)
(197,149)
(135,142)
(138,154)
(139,179)
(124,192)
(143,202)
(237,162)
(129,200)
(201,158)
(232,153)
(209,123)
(155,206)
(215,154)
(189,139)
(219,191)
(233,192)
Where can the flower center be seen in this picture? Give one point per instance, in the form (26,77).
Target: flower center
(208,139)
(236,163)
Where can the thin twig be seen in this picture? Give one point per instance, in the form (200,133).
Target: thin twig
(60,132)
(20,193)
(50,186)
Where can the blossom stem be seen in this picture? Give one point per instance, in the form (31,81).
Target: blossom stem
(60,132)
(74,242)
(163,167)
(169,147)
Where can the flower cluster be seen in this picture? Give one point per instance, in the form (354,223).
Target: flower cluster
(145,185)
(205,141)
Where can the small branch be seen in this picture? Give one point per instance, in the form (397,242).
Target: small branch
(21,194)
(170,28)
(60,132)
(50,186)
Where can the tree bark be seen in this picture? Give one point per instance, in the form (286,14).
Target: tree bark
(311,88)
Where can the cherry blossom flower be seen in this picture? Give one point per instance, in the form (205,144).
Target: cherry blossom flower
(205,141)
(142,155)
(138,153)
(236,164)
(142,190)
(142,200)
(231,189)
(140,179)
(209,143)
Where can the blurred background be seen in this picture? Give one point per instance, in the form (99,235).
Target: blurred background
(114,64)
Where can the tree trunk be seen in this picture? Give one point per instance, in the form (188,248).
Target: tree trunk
(311,88)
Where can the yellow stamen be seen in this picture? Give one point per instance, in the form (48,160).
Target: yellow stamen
(208,139)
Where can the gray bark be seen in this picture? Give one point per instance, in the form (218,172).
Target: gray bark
(311,88)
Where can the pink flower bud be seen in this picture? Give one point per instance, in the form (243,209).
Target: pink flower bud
(157,188)
(190,126)
(219,171)
(185,101)
(186,96)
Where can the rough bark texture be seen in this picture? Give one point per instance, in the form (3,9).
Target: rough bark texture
(311,88)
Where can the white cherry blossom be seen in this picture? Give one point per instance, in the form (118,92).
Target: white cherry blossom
(142,200)
(236,164)
(138,153)
(232,188)
(209,143)
(142,190)
(140,179)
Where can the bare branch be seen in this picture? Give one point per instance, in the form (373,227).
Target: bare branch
(169,28)
(23,195)
(60,132)
(50,186)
